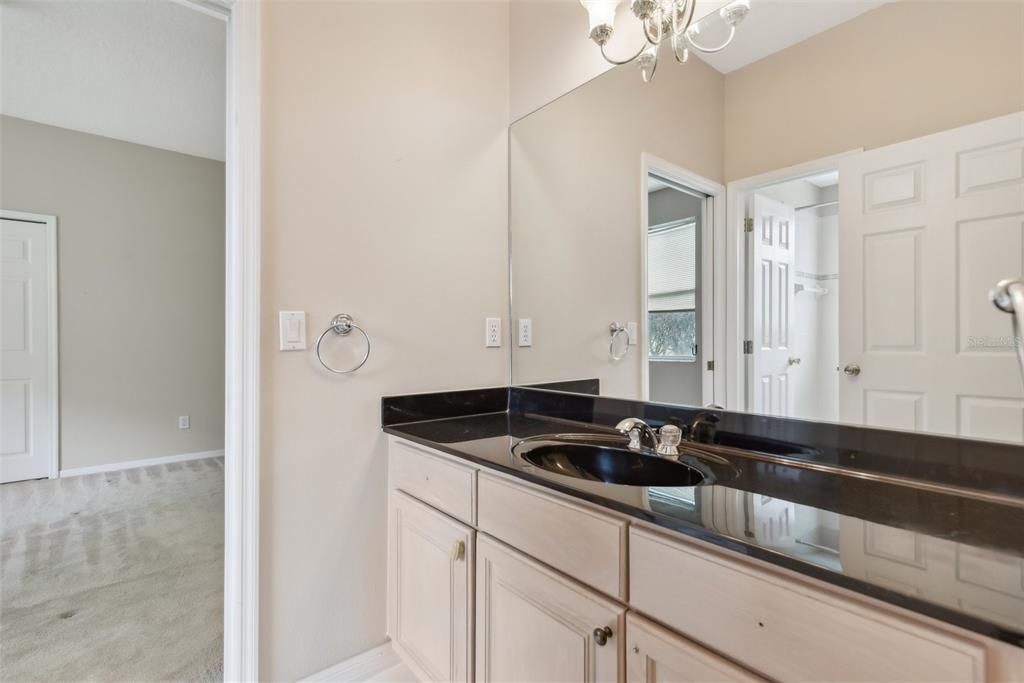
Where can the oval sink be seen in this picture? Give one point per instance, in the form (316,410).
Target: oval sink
(607,463)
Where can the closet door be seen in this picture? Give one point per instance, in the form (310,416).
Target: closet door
(536,625)
(430,590)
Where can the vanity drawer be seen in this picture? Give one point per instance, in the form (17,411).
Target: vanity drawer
(433,478)
(785,629)
(583,543)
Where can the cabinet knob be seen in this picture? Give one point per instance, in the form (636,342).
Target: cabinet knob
(602,634)
(458,550)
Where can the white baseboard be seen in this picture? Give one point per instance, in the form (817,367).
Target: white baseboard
(379,664)
(131,464)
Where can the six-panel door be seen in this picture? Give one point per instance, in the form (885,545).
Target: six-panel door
(536,625)
(430,590)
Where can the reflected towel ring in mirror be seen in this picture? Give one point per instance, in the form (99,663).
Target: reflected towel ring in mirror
(1008,296)
(617,329)
(342,325)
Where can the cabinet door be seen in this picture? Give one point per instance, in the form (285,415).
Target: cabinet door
(536,625)
(656,655)
(430,590)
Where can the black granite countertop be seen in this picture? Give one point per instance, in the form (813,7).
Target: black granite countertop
(957,556)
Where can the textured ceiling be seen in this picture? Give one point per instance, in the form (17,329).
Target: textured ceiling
(148,72)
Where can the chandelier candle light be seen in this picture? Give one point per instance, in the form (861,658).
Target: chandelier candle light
(660,19)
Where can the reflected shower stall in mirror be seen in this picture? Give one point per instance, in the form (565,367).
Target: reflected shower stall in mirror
(808,224)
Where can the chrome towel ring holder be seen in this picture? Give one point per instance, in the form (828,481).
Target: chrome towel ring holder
(614,330)
(342,325)
(1008,296)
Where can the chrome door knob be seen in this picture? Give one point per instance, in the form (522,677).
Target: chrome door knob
(601,635)
(852,369)
(793,360)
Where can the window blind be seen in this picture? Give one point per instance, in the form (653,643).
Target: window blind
(672,268)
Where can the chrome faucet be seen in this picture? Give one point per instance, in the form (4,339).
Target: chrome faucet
(665,441)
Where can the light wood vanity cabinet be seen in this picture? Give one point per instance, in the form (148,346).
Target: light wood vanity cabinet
(657,655)
(430,590)
(543,589)
(533,624)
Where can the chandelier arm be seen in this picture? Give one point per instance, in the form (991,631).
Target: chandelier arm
(647,31)
(688,13)
(717,48)
(675,51)
(679,34)
(617,62)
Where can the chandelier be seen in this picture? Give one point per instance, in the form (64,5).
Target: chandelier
(661,20)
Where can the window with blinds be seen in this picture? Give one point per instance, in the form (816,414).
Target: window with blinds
(672,267)
(672,291)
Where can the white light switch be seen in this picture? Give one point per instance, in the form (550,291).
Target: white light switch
(525,332)
(292,330)
(631,333)
(492,333)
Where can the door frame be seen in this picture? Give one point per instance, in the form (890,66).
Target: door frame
(242,333)
(49,224)
(242,336)
(737,320)
(712,229)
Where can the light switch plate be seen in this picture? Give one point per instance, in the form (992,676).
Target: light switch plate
(492,333)
(184,422)
(292,330)
(631,333)
(525,332)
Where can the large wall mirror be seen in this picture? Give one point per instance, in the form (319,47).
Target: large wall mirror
(807,224)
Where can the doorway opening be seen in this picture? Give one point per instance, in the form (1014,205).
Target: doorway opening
(793,297)
(674,312)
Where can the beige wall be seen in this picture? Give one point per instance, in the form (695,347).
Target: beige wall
(415,125)
(549,52)
(141,288)
(576,192)
(901,71)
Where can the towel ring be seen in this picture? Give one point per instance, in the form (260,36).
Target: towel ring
(342,325)
(615,329)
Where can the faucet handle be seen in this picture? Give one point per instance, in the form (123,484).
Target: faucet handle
(669,437)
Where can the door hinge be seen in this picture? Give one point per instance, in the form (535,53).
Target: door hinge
(711,365)
(748,346)
(748,225)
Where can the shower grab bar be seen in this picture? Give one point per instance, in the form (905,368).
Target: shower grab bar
(1008,296)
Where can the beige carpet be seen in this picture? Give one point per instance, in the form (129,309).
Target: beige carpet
(113,577)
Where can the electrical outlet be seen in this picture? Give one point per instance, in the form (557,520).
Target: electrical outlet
(492,333)
(184,422)
(525,332)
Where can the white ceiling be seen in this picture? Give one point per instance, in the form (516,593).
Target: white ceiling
(773,25)
(150,72)
(827,179)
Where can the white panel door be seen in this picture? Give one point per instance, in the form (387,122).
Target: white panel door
(926,228)
(772,255)
(28,381)
(536,625)
(430,590)
(657,655)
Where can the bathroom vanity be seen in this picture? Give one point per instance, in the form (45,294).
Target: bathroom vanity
(503,570)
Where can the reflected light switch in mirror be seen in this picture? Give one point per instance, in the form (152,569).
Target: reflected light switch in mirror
(292,330)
